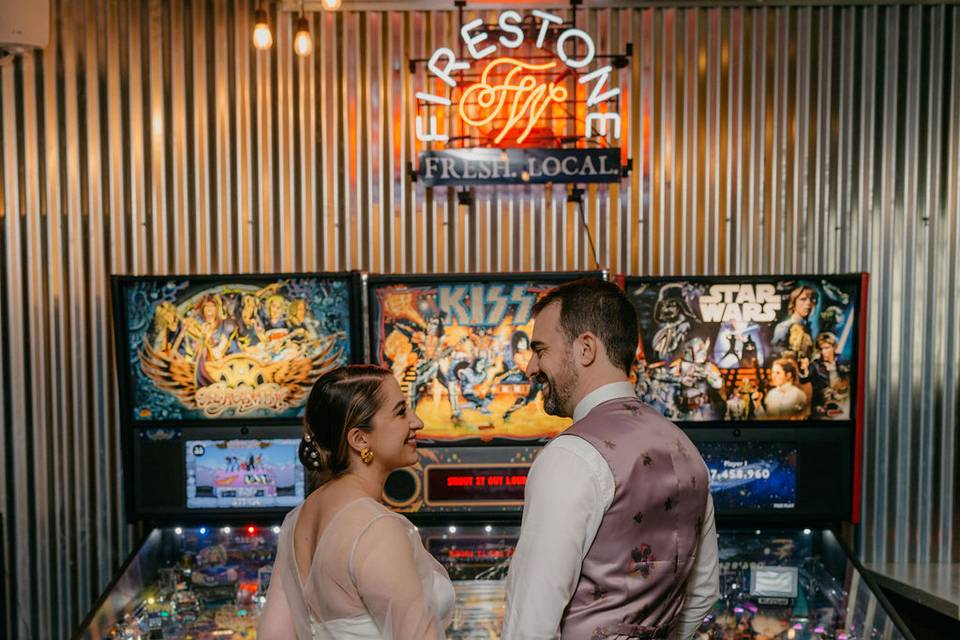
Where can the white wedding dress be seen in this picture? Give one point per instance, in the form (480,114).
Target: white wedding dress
(370,579)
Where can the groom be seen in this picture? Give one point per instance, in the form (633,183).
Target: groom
(618,538)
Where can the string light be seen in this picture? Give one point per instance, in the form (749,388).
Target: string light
(302,41)
(262,38)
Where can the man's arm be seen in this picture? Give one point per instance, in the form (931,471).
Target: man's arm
(703,586)
(564,504)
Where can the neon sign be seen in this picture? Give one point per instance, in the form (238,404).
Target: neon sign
(513,95)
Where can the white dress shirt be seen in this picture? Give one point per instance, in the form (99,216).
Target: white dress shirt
(569,489)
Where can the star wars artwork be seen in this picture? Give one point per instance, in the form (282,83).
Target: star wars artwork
(459,351)
(245,349)
(751,349)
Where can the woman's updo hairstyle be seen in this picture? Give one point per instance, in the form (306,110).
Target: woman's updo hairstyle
(340,400)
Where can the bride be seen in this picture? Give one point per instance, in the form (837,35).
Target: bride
(347,568)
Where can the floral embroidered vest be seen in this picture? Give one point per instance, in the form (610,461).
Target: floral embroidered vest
(633,578)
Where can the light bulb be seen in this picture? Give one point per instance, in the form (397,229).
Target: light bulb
(331,5)
(302,42)
(262,38)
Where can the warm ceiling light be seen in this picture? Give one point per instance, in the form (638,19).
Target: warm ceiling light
(302,42)
(262,38)
(331,5)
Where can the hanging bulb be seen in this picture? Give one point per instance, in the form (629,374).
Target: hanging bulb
(302,42)
(262,38)
(331,5)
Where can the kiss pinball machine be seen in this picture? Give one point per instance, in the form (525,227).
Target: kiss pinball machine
(765,375)
(213,373)
(459,346)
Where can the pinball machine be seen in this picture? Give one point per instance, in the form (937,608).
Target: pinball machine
(213,373)
(459,346)
(764,373)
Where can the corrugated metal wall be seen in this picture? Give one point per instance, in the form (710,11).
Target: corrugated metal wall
(149,137)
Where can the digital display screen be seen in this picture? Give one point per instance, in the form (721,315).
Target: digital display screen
(471,550)
(459,350)
(230,348)
(475,485)
(746,476)
(770,581)
(472,553)
(243,474)
(747,349)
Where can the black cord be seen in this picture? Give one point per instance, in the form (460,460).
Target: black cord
(578,194)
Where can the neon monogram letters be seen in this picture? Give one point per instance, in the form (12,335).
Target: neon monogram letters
(517,97)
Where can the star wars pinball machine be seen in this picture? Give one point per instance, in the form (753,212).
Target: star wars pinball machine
(459,346)
(213,373)
(765,375)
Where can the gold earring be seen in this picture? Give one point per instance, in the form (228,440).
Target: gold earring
(366,454)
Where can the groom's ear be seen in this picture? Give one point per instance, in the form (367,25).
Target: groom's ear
(585,349)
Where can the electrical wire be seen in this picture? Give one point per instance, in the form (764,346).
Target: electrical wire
(583,221)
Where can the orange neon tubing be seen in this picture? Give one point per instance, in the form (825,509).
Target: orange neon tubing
(529,97)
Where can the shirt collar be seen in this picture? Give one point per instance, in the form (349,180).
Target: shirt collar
(602,394)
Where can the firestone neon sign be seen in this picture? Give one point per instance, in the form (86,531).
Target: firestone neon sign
(517,99)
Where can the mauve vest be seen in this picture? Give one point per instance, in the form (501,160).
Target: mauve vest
(633,579)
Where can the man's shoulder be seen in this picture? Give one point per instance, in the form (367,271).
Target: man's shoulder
(568,443)
(571,453)
(570,458)
(634,422)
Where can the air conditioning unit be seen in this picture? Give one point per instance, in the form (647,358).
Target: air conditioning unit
(24,24)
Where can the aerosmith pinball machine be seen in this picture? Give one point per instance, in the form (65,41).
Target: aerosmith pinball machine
(459,346)
(765,375)
(213,374)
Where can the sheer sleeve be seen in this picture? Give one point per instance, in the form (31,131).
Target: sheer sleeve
(384,568)
(284,616)
(276,620)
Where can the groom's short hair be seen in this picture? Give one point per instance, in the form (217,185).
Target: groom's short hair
(603,309)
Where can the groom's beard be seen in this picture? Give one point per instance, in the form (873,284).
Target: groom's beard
(557,390)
